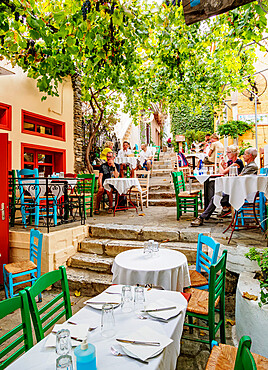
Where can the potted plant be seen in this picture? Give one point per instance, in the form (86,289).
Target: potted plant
(234,128)
(262,259)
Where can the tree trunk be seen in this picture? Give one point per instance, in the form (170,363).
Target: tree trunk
(88,149)
(79,164)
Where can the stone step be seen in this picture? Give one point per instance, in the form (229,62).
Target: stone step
(166,187)
(113,247)
(141,233)
(162,172)
(91,262)
(160,194)
(161,162)
(162,202)
(89,283)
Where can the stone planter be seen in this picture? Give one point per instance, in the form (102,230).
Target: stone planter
(251,319)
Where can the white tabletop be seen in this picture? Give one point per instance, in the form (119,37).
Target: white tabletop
(169,269)
(239,188)
(42,358)
(55,185)
(132,161)
(122,185)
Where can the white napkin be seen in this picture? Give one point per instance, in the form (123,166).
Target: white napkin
(78,331)
(105,297)
(162,303)
(145,333)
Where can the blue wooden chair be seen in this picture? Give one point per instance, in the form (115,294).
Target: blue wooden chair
(31,267)
(203,261)
(34,205)
(20,337)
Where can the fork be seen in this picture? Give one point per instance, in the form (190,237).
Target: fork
(115,352)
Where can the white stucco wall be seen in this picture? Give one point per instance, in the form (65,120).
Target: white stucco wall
(21,93)
(251,319)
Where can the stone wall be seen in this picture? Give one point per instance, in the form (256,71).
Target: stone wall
(58,246)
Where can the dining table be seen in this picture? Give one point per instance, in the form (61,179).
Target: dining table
(43,356)
(204,179)
(122,185)
(131,161)
(167,268)
(241,189)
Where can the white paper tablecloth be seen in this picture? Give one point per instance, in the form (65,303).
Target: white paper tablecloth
(122,185)
(169,269)
(132,161)
(42,358)
(239,189)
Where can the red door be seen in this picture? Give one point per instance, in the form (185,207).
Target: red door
(4,215)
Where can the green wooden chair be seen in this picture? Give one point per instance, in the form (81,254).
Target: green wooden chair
(205,304)
(186,202)
(61,304)
(86,188)
(24,340)
(157,153)
(229,357)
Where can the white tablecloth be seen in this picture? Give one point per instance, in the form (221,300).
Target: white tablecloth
(122,185)
(239,189)
(169,269)
(43,358)
(132,161)
(56,186)
(201,178)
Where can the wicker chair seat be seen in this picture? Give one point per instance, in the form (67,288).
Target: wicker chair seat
(223,357)
(18,267)
(135,190)
(184,194)
(197,279)
(199,301)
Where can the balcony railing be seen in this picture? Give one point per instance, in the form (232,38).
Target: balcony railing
(46,201)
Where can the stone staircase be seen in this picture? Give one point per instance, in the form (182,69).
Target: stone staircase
(161,187)
(89,270)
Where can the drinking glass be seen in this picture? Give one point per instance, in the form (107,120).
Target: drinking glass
(147,250)
(126,299)
(63,342)
(107,321)
(139,299)
(64,362)
(155,249)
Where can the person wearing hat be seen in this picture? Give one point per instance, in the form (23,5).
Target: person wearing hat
(216,146)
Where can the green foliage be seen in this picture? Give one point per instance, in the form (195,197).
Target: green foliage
(262,259)
(192,135)
(234,128)
(185,119)
(243,147)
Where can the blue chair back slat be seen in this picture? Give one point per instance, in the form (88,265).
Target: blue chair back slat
(36,249)
(29,207)
(203,260)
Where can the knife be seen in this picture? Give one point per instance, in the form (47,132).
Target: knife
(160,309)
(138,342)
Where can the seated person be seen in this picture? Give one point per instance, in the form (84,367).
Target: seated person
(108,147)
(216,145)
(146,157)
(250,169)
(125,151)
(108,170)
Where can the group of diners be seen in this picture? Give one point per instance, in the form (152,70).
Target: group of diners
(110,169)
(250,168)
